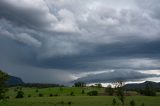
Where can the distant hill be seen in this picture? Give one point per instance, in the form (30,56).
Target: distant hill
(142,85)
(12,81)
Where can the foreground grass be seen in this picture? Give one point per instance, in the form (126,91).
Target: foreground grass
(79,101)
(64,98)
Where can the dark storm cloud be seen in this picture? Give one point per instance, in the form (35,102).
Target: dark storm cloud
(123,75)
(46,37)
(105,56)
(26,14)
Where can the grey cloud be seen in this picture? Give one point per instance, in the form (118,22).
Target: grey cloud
(152,7)
(19,34)
(124,75)
(137,56)
(32,14)
(23,37)
(67,22)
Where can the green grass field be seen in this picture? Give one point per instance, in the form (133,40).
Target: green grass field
(64,98)
(79,101)
(60,91)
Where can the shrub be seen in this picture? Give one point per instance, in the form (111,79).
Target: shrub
(61,89)
(40,95)
(29,95)
(62,103)
(7,97)
(114,102)
(15,90)
(72,93)
(55,94)
(148,90)
(132,103)
(20,94)
(109,90)
(80,84)
(93,93)
(37,90)
(142,104)
(51,95)
(83,92)
(69,103)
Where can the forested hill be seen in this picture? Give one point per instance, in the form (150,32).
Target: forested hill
(155,85)
(14,81)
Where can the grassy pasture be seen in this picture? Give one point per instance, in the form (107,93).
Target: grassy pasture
(79,101)
(64,98)
(60,91)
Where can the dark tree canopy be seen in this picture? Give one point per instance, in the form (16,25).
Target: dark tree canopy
(79,84)
(3,78)
(148,90)
(109,90)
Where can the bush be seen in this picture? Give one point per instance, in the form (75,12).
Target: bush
(51,95)
(147,92)
(93,93)
(132,103)
(37,90)
(80,84)
(29,95)
(114,102)
(83,92)
(7,97)
(40,95)
(20,94)
(142,104)
(62,103)
(72,93)
(61,89)
(15,90)
(109,90)
(69,103)
(55,94)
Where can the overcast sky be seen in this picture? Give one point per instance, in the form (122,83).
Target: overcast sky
(61,41)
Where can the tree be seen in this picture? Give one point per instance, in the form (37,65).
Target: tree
(69,103)
(120,91)
(93,93)
(109,90)
(148,90)
(142,104)
(99,85)
(114,102)
(83,92)
(20,94)
(80,84)
(3,87)
(132,103)
(72,93)
(40,95)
